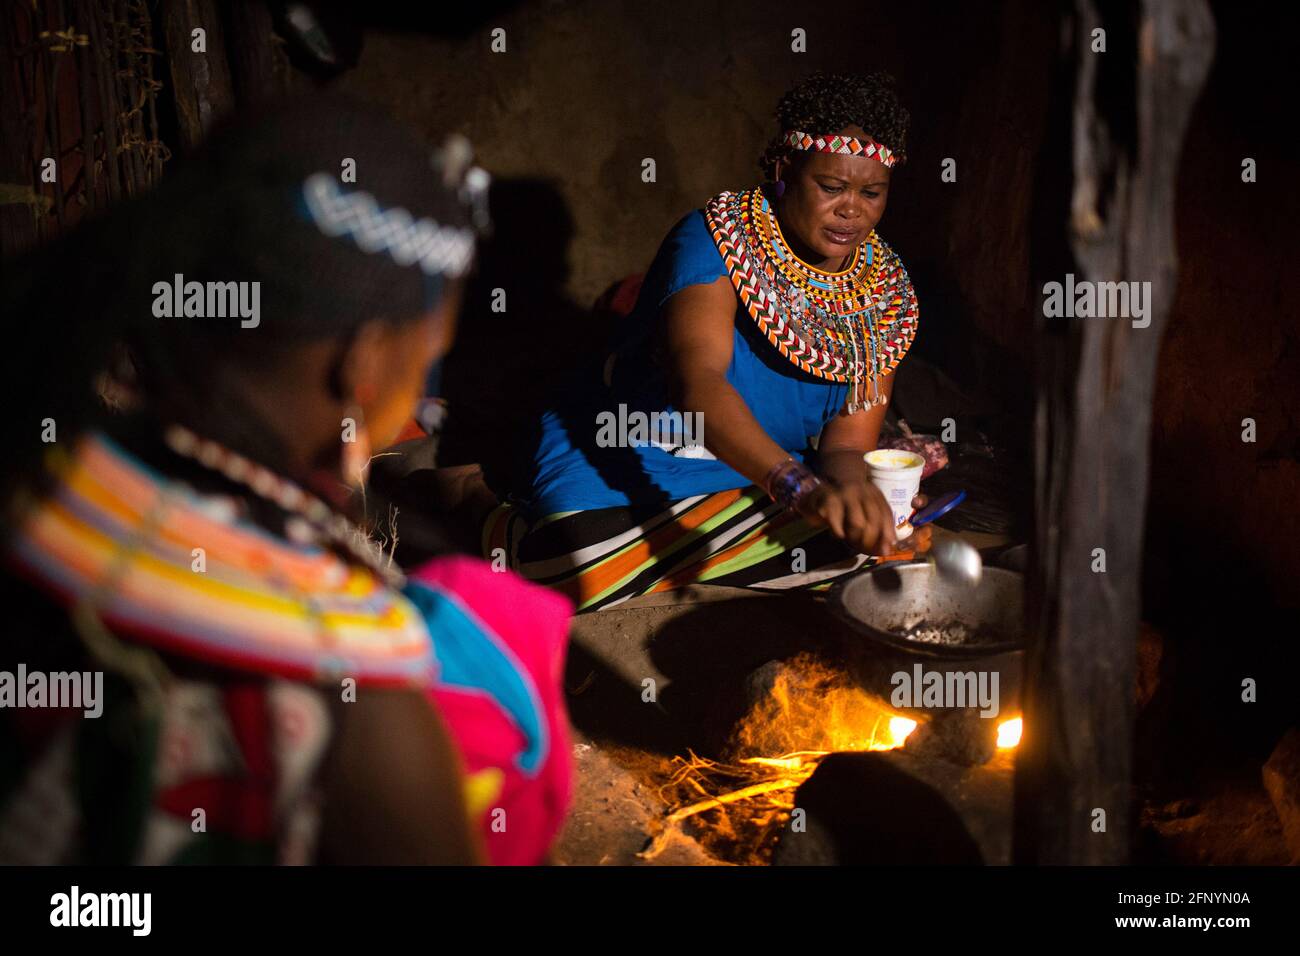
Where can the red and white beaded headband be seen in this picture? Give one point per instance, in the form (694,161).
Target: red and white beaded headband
(844,145)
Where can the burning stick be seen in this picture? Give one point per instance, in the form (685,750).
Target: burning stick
(794,761)
(781,783)
(794,769)
(672,823)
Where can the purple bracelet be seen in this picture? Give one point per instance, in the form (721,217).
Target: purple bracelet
(789,481)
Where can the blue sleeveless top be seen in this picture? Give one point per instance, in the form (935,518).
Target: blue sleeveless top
(573,469)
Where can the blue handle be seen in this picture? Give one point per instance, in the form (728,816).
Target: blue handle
(938,508)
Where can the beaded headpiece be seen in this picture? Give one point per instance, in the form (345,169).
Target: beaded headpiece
(852,326)
(844,145)
(437,249)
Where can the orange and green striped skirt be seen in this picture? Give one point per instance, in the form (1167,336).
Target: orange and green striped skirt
(602,557)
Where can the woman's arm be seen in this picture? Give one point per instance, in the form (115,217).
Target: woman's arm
(700,320)
(847,438)
(393,786)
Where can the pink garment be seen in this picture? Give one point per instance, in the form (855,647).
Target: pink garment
(530,624)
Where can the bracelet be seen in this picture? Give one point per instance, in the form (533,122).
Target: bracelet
(789,481)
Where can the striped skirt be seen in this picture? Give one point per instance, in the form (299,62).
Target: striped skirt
(602,557)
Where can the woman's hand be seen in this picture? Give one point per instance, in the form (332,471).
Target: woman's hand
(919,540)
(858,514)
(855,512)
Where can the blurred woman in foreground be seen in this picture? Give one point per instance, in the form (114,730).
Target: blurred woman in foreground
(266,676)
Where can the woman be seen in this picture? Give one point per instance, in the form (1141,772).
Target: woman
(773,317)
(273,689)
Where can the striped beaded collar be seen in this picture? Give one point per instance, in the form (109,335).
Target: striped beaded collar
(851,327)
(188,573)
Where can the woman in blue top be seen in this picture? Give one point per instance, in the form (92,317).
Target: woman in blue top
(770,321)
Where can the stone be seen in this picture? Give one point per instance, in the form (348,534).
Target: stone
(1282,781)
(875,809)
(961,736)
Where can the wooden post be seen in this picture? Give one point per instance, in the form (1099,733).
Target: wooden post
(201,82)
(255,52)
(19,197)
(1095,380)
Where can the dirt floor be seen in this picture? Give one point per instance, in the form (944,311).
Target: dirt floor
(616,811)
(1228,822)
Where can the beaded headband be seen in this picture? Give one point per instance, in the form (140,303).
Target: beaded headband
(438,250)
(844,145)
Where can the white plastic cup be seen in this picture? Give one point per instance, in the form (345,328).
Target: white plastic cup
(897,473)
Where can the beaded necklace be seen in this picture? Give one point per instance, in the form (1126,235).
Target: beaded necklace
(311,513)
(851,326)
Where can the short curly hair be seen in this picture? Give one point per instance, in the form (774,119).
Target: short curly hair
(828,102)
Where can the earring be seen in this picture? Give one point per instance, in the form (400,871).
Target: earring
(779,188)
(356,447)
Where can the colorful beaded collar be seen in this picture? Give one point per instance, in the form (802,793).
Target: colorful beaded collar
(852,326)
(125,542)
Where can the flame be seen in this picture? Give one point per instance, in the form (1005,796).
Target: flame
(899,728)
(808,708)
(1009,733)
(801,711)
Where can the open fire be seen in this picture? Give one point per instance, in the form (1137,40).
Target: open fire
(802,710)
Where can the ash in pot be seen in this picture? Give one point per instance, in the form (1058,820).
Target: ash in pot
(951,634)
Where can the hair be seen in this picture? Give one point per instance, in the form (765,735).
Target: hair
(234,211)
(827,102)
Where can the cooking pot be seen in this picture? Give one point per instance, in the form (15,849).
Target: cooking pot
(883,604)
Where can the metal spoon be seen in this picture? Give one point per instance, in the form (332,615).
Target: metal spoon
(952,558)
(956,560)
